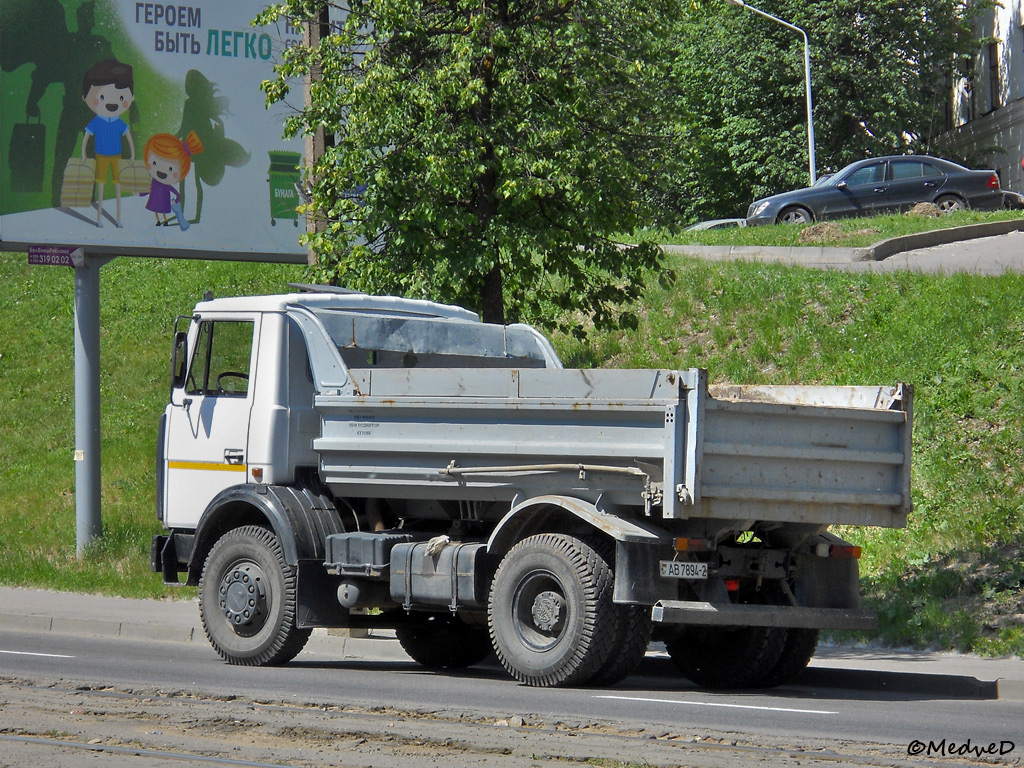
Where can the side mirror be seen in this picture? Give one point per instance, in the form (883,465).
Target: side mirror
(842,184)
(179,360)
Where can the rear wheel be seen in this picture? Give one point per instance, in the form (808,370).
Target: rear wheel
(247,599)
(796,655)
(550,611)
(795,214)
(445,642)
(727,657)
(951,203)
(632,636)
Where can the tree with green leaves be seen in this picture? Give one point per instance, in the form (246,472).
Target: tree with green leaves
(490,153)
(881,73)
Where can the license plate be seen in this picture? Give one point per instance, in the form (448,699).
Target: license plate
(676,569)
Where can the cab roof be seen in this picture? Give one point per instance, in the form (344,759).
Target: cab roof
(338,300)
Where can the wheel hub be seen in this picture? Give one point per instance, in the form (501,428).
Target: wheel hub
(242,598)
(547,610)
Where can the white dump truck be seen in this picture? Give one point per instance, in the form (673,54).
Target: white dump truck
(334,459)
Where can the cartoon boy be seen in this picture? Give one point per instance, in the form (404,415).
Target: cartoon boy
(108,90)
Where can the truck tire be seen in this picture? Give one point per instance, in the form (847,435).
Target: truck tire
(727,657)
(247,599)
(445,642)
(632,632)
(796,655)
(632,636)
(551,611)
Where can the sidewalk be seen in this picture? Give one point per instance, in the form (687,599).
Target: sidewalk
(178,621)
(984,249)
(161,620)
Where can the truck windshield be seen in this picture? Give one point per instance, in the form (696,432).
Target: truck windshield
(372,340)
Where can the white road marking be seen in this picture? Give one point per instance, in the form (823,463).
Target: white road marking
(47,655)
(718,704)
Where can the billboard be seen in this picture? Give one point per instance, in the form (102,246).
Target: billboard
(140,128)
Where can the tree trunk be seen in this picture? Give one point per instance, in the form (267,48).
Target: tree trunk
(492,298)
(492,301)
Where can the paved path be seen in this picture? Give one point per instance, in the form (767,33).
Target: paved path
(978,249)
(983,256)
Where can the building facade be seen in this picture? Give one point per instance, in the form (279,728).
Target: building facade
(986,116)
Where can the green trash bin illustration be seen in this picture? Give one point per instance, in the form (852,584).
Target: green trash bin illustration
(284,178)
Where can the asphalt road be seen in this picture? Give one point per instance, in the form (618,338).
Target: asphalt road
(840,708)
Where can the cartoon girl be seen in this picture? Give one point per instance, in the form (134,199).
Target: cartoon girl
(168,160)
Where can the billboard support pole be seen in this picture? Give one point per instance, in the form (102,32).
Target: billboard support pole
(88,518)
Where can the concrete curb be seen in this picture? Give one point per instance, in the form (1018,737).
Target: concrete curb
(886,248)
(376,648)
(958,686)
(817,254)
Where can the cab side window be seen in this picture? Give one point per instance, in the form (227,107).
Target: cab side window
(221,361)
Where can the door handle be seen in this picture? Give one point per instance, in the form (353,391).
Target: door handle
(234,456)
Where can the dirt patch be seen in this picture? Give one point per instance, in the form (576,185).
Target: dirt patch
(823,232)
(927,210)
(54,724)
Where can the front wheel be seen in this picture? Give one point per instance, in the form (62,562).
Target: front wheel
(551,614)
(795,214)
(247,600)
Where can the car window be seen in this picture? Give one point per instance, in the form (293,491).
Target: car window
(927,169)
(907,169)
(869,174)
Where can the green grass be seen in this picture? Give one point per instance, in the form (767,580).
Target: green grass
(953,579)
(855,233)
(139,301)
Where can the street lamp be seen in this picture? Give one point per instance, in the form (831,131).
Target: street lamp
(807,75)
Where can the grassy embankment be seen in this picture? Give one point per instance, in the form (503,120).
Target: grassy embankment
(953,579)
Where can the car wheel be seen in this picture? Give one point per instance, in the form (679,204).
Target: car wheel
(795,215)
(951,203)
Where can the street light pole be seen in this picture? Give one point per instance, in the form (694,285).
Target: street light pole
(807,76)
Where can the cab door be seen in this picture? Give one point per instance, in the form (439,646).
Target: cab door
(206,430)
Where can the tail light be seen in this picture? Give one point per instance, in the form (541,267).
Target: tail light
(993,181)
(695,545)
(839,551)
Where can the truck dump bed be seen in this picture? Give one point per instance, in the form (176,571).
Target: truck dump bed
(836,455)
